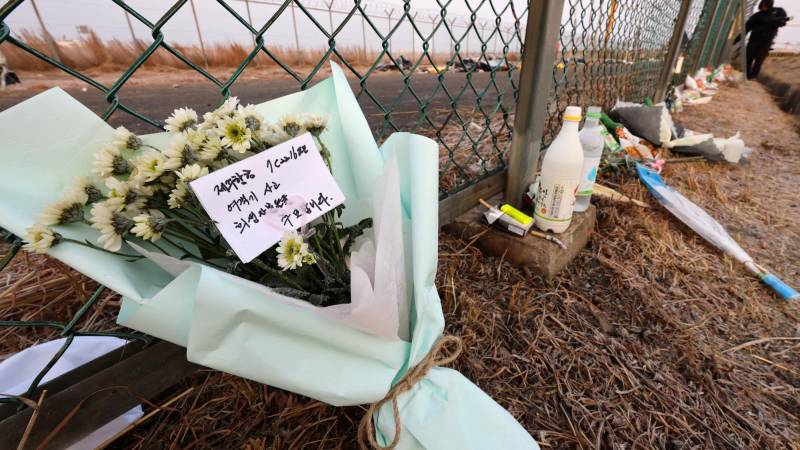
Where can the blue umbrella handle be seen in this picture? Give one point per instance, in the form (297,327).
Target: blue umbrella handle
(781,288)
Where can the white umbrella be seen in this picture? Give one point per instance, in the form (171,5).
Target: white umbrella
(705,225)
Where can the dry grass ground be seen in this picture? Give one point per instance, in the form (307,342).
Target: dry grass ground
(781,75)
(784,68)
(649,339)
(92,54)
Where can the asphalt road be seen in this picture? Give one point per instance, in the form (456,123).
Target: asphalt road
(157,99)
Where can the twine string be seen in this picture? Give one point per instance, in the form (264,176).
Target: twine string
(443,352)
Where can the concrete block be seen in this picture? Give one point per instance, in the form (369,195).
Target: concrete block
(540,255)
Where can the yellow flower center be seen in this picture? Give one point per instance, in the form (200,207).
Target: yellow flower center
(292,249)
(235,132)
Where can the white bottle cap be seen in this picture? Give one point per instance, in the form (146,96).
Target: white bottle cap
(572,114)
(593,112)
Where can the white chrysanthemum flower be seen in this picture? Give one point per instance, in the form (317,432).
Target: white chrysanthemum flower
(209,121)
(191,173)
(314,123)
(109,162)
(252,119)
(112,224)
(167,181)
(309,258)
(130,195)
(179,153)
(149,226)
(178,196)
(125,140)
(227,108)
(291,124)
(196,138)
(40,238)
(181,120)
(68,209)
(293,252)
(272,135)
(212,149)
(117,191)
(235,134)
(85,185)
(148,166)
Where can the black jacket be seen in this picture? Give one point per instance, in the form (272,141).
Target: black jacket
(763,25)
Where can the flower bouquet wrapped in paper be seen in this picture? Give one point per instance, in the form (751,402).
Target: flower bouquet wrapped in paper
(328,291)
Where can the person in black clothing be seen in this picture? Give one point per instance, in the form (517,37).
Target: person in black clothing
(763,27)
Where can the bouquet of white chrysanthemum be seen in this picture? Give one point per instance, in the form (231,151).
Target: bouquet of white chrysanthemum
(142,195)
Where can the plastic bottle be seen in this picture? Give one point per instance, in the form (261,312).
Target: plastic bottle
(561,173)
(592,142)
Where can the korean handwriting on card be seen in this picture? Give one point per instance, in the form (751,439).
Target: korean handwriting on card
(254,201)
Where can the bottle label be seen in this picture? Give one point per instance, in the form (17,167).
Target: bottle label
(586,185)
(611,143)
(556,199)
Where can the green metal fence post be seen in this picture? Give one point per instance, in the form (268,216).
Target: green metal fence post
(722,31)
(725,31)
(536,79)
(729,48)
(743,39)
(723,27)
(708,34)
(665,78)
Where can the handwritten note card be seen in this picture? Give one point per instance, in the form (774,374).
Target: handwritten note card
(254,201)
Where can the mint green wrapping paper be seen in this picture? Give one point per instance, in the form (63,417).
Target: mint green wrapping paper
(239,327)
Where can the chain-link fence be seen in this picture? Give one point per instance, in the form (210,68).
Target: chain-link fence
(464,96)
(609,51)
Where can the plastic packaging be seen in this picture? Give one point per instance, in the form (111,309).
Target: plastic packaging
(610,142)
(592,142)
(731,148)
(516,214)
(691,83)
(561,173)
(508,218)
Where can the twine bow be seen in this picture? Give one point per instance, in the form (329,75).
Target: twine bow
(438,356)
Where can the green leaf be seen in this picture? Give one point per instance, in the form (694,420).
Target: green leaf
(354,231)
(291,292)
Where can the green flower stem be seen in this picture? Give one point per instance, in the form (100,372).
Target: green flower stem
(261,146)
(94,247)
(150,146)
(192,233)
(157,247)
(338,255)
(193,239)
(185,215)
(185,211)
(192,256)
(329,218)
(315,280)
(324,252)
(209,263)
(265,267)
(189,221)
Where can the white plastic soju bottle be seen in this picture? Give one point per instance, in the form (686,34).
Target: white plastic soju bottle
(561,173)
(592,142)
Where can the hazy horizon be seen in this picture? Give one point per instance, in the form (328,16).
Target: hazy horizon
(64,17)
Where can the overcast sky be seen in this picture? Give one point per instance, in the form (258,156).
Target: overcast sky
(63,16)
